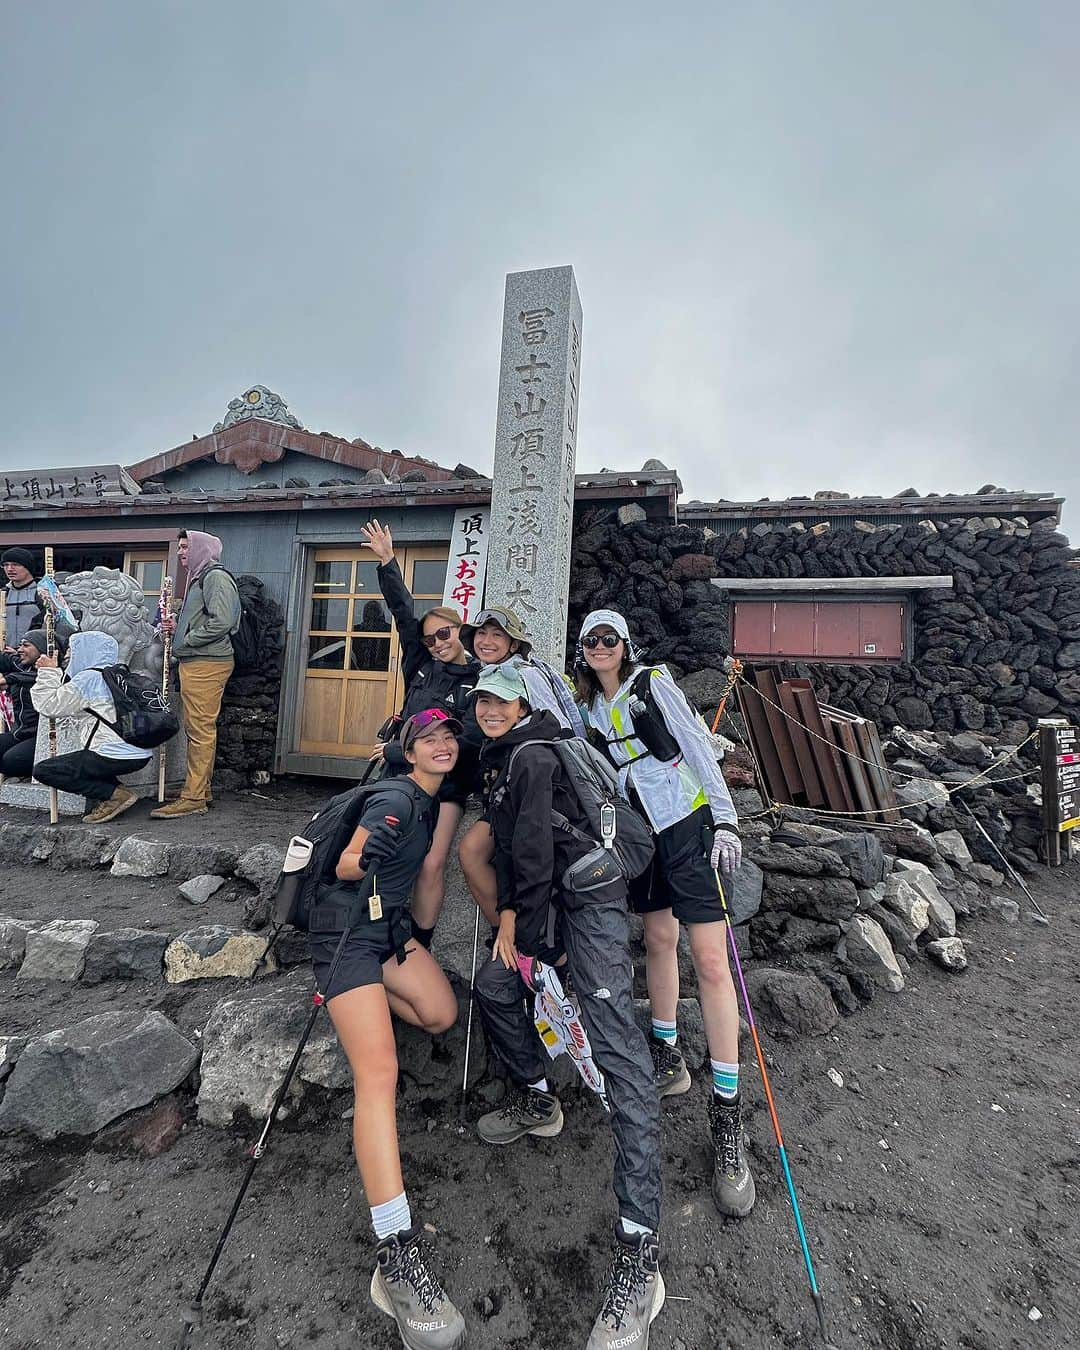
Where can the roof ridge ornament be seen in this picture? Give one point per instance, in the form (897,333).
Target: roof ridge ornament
(259,403)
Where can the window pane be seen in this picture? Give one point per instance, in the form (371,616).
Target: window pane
(333,575)
(151,576)
(421,604)
(370,654)
(370,616)
(429,577)
(326,653)
(367,578)
(333,614)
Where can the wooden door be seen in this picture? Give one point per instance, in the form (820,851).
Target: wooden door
(352,677)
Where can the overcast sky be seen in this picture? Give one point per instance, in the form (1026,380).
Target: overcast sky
(818,244)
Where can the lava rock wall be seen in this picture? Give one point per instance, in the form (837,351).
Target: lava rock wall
(247,727)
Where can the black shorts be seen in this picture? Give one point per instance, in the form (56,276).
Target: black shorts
(367,949)
(680,877)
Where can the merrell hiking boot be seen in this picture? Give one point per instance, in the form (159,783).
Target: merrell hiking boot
(633,1297)
(404,1287)
(671,1077)
(114,806)
(732,1182)
(525,1110)
(183,806)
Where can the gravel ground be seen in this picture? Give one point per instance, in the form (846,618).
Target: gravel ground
(939,1184)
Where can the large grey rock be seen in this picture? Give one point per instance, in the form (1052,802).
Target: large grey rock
(260,867)
(744,891)
(192,860)
(827,899)
(988,876)
(790,1004)
(949,953)
(863,855)
(199,889)
(799,862)
(953,848)
(213,952)
(76,1080)
(866,948)
(919,876)
(941,921)
(906,902)
(124,954)
(247,1046)
(11,1047)
(58,950)
(141,858)
(13,941)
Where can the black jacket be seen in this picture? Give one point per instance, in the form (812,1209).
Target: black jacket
(430,683)
(531,855)
(20,680)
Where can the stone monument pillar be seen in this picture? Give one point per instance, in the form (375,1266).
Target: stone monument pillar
(532,499)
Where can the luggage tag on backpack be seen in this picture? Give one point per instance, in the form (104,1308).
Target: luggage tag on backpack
(374,904)
(607,824)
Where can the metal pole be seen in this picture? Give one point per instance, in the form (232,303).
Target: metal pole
(472,989)
(50,645)
(164,606)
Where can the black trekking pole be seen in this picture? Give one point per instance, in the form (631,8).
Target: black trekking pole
(192,1316)
(815,1293)
(1039,915)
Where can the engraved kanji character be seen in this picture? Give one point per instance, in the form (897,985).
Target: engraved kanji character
(533,407)
(9,489)
(529,483)
(522,557)
(54,489)
(527,443)
(524,517)
(520,598)
(77,485)
(98,481)
(473,524)
(31,488)
(529,373)
(533,331)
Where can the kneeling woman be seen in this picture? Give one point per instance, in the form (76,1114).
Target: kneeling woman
(531,860)
(382,971)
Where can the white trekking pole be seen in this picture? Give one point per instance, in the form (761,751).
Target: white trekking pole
(472,991)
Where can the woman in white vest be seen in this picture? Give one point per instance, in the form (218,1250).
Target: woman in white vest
(668,770)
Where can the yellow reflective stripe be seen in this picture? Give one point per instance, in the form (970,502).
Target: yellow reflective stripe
(700,800)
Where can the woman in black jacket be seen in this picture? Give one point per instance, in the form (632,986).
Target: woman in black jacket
(531,858)
(438,673)
(19,673)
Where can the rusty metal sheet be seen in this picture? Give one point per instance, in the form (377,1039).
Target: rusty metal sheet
(805,750)
(781,735)
(761,742)
(844,733)
(828,759)
(867,735)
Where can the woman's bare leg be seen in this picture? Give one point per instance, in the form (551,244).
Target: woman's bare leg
(662,963)
(430,885)
(475,853)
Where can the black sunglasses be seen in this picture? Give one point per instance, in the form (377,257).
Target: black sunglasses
(609,640)
(439,635)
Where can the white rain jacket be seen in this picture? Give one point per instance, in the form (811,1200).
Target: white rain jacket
(669,790)
(548,690)
(56,694)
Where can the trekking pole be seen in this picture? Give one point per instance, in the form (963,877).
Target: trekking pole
(192,1316)
(803,1243)
(50,646)
(165,606)
(1039,916)
(472,991)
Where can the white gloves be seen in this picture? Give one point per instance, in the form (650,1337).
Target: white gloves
(726,852)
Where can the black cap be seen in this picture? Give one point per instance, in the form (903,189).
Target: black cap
(24,558)
(38,638)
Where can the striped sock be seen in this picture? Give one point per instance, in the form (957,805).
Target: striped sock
(392,1217)
(725,1079)
(665,1031)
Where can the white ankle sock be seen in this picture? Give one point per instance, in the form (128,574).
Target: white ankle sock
(394,1216)
(540,1085)
(632,1229)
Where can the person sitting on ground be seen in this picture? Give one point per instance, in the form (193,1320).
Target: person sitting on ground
(18,673)
(438,673)
(94,772)
(22,608)
(383,971)
(498,638)
(680,790)
(531,858)
(202,649)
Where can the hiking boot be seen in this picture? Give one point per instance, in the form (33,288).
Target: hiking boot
(634,1294)
(183,806)
(732,1181)
(670,1076)
(404,1287)
(524,1110)
(121,801)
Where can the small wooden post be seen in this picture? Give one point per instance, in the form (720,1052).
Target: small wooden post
(165,607)
(50,635)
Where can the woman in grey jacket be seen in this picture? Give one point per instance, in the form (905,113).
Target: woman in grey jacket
(94,772)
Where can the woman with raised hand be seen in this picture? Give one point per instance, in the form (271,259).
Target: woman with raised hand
(668,769)
(438,673)
(380,971)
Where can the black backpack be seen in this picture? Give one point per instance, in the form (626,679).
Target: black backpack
(595,784)
(245,636)
(327,833)
(144,717)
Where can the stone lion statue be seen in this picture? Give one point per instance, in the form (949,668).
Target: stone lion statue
(112,602)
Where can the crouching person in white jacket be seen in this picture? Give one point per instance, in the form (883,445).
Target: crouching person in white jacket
(94,772)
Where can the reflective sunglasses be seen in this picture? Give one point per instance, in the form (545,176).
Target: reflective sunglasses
(439,635)
(610,640)
(422,720)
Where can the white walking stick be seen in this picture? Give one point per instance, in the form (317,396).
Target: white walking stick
(472,990)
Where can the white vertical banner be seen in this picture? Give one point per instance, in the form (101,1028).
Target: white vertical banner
(466,568)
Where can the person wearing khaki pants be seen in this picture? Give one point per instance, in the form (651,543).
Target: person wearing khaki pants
(202,646)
